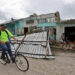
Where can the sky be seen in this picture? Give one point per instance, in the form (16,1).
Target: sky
(22,8)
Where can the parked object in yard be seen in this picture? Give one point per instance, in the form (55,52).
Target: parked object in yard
(36,45)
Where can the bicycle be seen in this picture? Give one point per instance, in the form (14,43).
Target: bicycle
(20,60)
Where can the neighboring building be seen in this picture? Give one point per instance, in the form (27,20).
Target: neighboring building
(67,27)
(15,27)
(48,20)
(43,21)
(28,23)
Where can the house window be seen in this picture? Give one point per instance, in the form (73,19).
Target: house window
(48,19)
(29,21)
(52,19)
(42,20)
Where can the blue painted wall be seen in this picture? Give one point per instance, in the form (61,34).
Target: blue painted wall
(14,26)
(11,28)
(43,25)
(20,25)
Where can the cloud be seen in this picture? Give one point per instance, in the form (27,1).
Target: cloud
(68,11)
(44,6)
(13,8)
(22,8)
(68,1)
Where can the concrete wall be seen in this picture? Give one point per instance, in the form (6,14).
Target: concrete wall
(46,16)
(31,24)
(61,29)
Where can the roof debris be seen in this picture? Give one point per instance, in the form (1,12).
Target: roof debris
(35,44)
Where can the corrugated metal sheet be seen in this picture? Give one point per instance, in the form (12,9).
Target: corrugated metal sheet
(42,36)
(34,45)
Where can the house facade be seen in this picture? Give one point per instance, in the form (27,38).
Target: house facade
(43,21)
(15,27)
(67,27)
(29,23)
(48,20)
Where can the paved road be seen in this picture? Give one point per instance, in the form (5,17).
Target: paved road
(64,64)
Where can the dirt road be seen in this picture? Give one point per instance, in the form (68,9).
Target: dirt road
(64,64)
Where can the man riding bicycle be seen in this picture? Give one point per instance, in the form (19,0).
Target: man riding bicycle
(5,43)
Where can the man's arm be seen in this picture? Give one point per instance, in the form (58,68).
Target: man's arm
(11,35)
(14,38)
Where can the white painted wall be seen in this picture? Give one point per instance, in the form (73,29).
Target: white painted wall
(61,29)
(30,25)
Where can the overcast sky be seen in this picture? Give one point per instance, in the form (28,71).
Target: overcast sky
(22,8)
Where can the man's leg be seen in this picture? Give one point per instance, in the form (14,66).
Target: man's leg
(4,49)
(10,52)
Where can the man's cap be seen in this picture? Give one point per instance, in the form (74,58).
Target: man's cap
(2,25)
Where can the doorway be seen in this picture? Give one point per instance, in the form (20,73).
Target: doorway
(70,33)
(25,30)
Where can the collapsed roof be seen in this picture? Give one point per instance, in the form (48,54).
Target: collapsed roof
(36,45)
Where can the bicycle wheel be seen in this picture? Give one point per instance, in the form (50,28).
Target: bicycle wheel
(21,62)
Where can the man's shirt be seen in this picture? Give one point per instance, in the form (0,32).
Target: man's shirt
(4,36)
